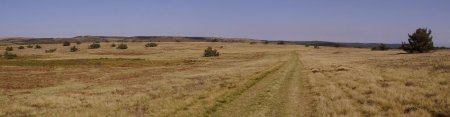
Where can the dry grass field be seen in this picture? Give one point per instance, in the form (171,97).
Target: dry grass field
(173,79)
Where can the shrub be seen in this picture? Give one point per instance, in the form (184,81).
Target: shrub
(9,49)
(381,47)
(8,55)
(316,46)
(73,49)
(122,46)
(420,41)
(29,46)
(306,45)
(94,46)
(113,45)
(20,47)
(252,42)
(177,41)
(209,52)
(265,42)
(151,45)
(37,46)
(50,50)
(66,43)
(78,42)
(280,42)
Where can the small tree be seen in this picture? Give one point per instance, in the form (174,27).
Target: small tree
(20,47)
(209,52)
(8,55)
(151,45)
(66,43)
(122,46)
(73,49)
(37,46)
(94,46)
(420,41)
(9,48)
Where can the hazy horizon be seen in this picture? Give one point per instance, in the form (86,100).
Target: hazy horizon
(290,20)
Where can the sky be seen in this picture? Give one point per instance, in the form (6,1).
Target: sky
(379,21)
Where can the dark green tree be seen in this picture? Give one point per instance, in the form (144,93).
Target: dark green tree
(420,41)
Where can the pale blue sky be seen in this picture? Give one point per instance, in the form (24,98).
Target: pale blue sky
(387,21)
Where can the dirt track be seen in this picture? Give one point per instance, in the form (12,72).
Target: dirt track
(280,93)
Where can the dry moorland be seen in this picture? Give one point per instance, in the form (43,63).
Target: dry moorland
(173,79)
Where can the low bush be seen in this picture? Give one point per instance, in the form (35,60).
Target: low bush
(381,47)
(73,49)
(306,45)
(209,52)
(66,43)
(8,55)
(9,49)
(50,50)
(29,46)
(20,47)
(252,43)
(280,42)
(265,42)
(151,45)
(122,46)
(37,46)
(94,46)
(113,45)
(78,42)
(316,46)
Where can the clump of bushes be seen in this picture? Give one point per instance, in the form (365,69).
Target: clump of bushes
(94,46)
(8,55)
(20,47)
(280,42)
(29,46)
(37,46)
(151,45)
(122,46)
(50,50)
(113,45)
(420,41)
(9,48)
(209,52)
(73,49)
(381,47)
(66,43)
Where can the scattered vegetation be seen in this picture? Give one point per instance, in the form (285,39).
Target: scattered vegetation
(8,55)
(66,43)
(381,47)
(209,52)
(122,46)
(94,46)
(20,47)
(37,46)
(50,50)
(151,45)
(420,41)
(9,48)
(74,49)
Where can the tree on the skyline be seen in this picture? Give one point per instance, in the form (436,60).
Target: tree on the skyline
(420,41)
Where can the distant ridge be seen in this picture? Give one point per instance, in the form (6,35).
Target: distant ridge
(89,38)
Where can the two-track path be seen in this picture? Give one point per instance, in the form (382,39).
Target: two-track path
(282,93)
